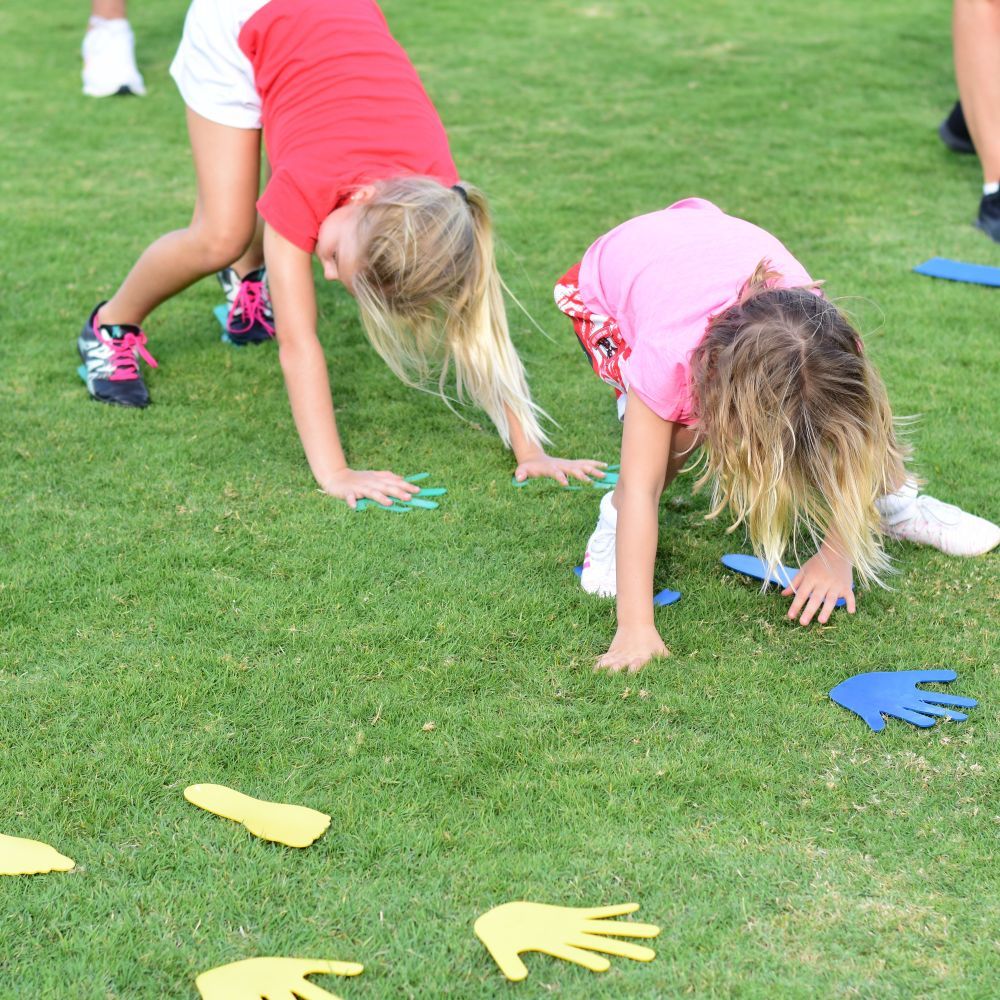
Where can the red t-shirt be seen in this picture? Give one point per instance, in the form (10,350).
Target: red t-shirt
(342,106)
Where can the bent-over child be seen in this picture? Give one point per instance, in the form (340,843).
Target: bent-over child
(713,335)
(362,177)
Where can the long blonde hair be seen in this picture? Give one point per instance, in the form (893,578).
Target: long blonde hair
(797,424)
(431,297)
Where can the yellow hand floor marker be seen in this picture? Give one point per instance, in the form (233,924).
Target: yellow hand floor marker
(294,826)
(563,932)
(271,979)
(30,857)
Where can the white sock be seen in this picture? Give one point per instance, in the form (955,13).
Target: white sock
(103,22)
(991,188)
(896,507)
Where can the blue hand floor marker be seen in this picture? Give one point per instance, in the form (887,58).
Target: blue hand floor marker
(957,270)
(660,599)
(754,567)
(895,693)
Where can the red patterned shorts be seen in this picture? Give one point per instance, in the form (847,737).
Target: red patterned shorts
(599,336)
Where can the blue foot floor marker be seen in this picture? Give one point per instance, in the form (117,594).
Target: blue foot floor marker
(753,567)
(956,270)
(660,600)
(418,501)
(895,693)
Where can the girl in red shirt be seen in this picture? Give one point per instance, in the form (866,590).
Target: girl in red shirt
(362,177)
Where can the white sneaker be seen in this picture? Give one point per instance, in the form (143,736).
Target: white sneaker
(599,572)
(109,59)
(926,521)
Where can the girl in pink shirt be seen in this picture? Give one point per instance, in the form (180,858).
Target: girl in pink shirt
(361,177)
(715,335)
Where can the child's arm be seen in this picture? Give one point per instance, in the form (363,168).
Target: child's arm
(533,462)
(646,441)
(290,278)
(820,582)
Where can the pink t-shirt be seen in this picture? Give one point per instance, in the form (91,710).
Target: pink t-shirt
(661,277)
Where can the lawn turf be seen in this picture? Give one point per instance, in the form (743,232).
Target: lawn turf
(179,604)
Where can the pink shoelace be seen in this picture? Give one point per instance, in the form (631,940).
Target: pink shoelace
(251,305)
(122,353)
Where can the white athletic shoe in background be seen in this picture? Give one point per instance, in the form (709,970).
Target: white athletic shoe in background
(109,59)
(599,571)
(908,516)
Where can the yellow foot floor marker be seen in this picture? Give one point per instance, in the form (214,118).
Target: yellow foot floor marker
(271,979)
(294,826)
(563,932)
(30,857)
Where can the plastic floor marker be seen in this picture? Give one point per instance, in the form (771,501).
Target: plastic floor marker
(570,933)
(271,979)
(609,482)
(753,567)
(19,856)
(895,693)
(293,826)
(419,500)
(957,270)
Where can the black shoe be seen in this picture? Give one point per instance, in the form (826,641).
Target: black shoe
(955,133)
(250,318)
(989,215)
(110,355)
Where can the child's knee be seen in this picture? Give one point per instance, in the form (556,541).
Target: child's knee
(218,246)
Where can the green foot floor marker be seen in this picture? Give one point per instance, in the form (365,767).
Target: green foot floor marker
(419,500)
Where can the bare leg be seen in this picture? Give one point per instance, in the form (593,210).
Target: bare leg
(253,258)
(227,165)
(111,9)
(976,38)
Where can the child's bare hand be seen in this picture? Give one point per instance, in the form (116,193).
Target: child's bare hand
(559,469)
(818,585)
(632,648)
(383,487)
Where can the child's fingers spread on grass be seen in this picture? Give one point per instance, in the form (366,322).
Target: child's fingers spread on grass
(813,605)
(792,587)
(828,605)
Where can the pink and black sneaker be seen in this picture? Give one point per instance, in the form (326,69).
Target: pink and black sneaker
(250,320)
(110,354)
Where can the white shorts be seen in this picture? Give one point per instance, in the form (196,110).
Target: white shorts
(213,75)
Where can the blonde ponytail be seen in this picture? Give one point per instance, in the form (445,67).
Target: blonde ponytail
(431,297)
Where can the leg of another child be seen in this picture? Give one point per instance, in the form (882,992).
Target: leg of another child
(976,40)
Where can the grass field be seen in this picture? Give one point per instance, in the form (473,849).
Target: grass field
(179,604)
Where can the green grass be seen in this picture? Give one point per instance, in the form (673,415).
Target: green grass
(179,604)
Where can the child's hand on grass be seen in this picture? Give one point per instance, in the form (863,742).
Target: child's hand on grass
(559,469)
(819,584)
(632,648)
(382,487)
